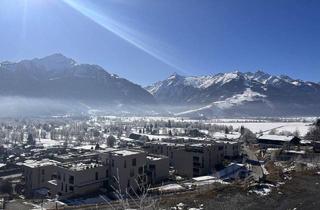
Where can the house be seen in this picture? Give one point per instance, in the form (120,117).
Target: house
(233,171)
(275,141)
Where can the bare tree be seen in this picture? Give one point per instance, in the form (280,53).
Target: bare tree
(134,199)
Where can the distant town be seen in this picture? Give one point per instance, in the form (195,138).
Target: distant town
(108,162)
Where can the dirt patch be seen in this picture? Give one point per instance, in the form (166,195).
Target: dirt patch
(301,192)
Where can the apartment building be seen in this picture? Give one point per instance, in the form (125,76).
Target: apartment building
(37,175)
(79,178)
(124,171)
(231,148)
(163,148)
(157,169)
(127,170)
(198,159)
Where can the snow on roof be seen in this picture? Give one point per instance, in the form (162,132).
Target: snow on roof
(154,157)
(41,163)
(295,152)
(86,147)
(276,138)
(203,178)
(81,166)
(228,142)
(2,165)
(125,152)
(220,135)
(171,188)
(209,182)
(305,142)
(165,143)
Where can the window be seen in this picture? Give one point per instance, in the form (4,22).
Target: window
(71,179)
(107,173)
(140,170)
(71,188)
(42,171)
(97,175)
(112,163)
(125,164)
(134,162)
(131,172)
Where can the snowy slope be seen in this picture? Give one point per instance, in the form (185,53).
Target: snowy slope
(259,90)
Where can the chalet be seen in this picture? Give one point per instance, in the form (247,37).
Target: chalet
(267,141)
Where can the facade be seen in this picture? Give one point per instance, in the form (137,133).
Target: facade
(37,175)
(157,169)
(163,148)
(231,148)
(198,159)
(78,179)
(126,170)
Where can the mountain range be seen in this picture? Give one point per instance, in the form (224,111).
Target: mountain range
(77,86)
(238,94)
(66,85)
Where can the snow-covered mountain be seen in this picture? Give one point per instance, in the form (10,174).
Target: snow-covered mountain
(57,77)
(237,93)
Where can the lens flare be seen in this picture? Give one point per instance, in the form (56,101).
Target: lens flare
(126,33)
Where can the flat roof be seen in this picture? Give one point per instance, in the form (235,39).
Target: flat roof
(126,152)
(40,163)
(156,157)
(165,143)
(227,142)
(81,166)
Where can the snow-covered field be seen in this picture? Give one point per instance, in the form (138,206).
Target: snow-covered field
(257,127)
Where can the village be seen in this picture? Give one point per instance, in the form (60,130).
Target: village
(118,163)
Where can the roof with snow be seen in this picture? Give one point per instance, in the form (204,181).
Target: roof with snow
(276,138)
(41,163)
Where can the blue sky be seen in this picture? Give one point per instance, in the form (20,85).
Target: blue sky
(147,40)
